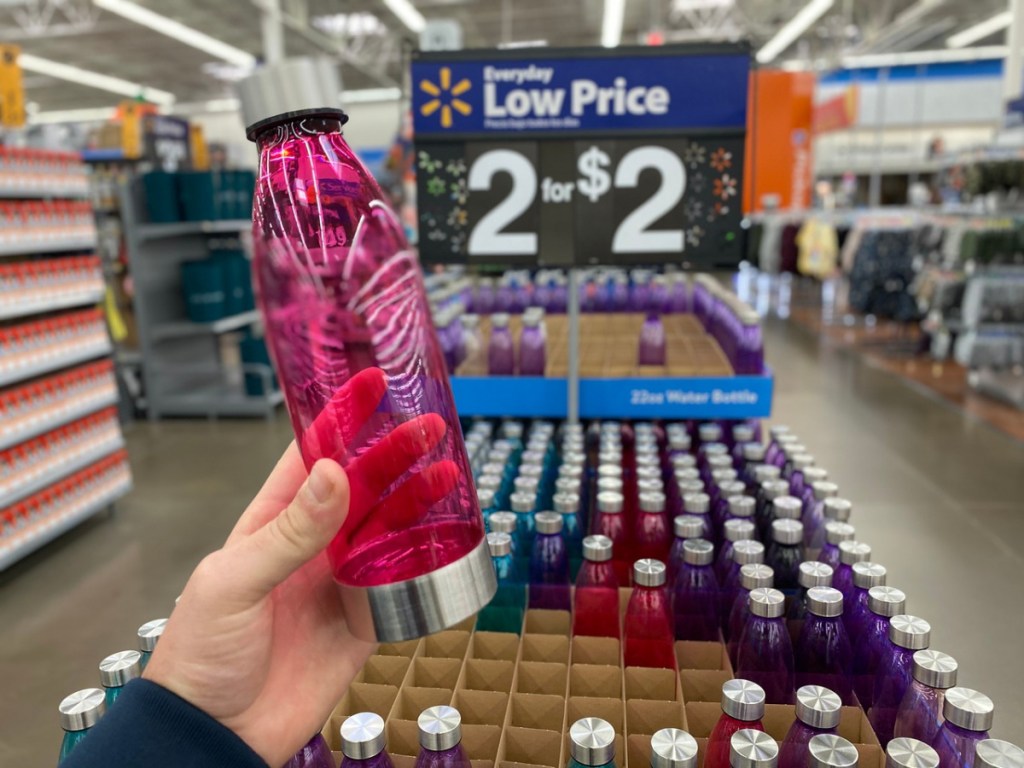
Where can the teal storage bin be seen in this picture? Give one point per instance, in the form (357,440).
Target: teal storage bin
(161,191)
(237,281)
(203,288)
(197,193)
(254,351)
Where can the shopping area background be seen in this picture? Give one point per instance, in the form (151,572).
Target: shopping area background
(824,364)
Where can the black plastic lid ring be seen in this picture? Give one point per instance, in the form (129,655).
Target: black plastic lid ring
(331,113)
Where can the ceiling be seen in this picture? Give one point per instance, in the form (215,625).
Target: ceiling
(76,32)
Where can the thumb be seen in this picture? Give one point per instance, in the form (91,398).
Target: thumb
(298,534)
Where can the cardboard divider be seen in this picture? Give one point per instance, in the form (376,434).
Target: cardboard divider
(542,677)
(403,738)
(398,761)
(703,684)
(638,750)
(412,701)
(451,644)
(481,742)
(542,622)
(532,747)
(650,683)
(647,716)
(409,648)
(597,650)
(552,648)
(430,672)
(366,697)
(600,681)
(612,710)
(384,670)
(487,675)
(496,646)
(531,710)
(466,625)
(701,718)
(703,655)
(481,707)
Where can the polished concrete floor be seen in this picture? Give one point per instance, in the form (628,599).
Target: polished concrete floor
(938,496)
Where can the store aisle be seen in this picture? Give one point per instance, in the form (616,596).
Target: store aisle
(936,495)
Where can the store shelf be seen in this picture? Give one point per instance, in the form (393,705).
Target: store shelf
(49,246)
(77,355)
(47,533)
(185,228)
(186,328)
(104,155)
(47,304)
(217,400)
(62,470)
(20,193)
(9,438)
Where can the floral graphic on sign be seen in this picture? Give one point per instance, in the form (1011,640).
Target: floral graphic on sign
(724,187)
(693,209)
(694,155)
(436,186)
(694,235)
(721,159)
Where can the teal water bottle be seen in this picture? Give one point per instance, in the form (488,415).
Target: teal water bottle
(591,744)
(117,670)
(149,633)
(505,611)
(78,713)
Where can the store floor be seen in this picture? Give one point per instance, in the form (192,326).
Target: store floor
(937,494)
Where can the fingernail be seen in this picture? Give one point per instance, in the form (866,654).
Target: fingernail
(320,485)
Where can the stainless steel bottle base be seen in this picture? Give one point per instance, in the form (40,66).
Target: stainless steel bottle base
(430,603)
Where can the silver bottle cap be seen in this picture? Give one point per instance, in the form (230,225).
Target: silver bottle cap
(688,527)
(499,544)
(818,707)
(773,489)
(868,575)
(787,437)
(503,522)
(82,709)
(753,749)
(765,472)
(836,508)
(549,523)
(823,489)
(574,471)
(363,736)
(650,460)
(934,669)
(532,457)
(767,603)
(690,486)
(836,532)
(787,508)
(496,468)
(909,632)
(686,473)
(440,728)
(524,484)
(789,450)
(696,503)
(814,475)
(996,753)
(731,488)
(825,601)
(851,552)
(484,496)
(566,503)
(910,753)
(724,475)
(533,471)
(814,574)
(609,484)
(787,531)
(673,748)
(830,751)
(683,461)
(609,470)
(742,433)
(597,549)
(567,485)
(968,708)
(118,668)
(609,502)
(738,530)
(715,449)
(741,506)
(743,700)
(573,457)
(149,633)
(753,452)
(679,441)
(698,552)
(592,741)
(802,461)
(649,573)
(756,575)
(886,601)
(777,430)
(487,484)
(719,461)
(652,502)
(747,551)
(522,501)
(651,485)
(709,433)
(648,473)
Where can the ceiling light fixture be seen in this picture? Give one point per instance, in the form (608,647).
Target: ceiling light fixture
(407,14)
(914,58)
(92,79)
(178,31)
(795,27)
(611,24)
(980,31)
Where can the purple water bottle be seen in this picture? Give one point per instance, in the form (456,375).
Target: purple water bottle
(532,355)
(750,455)
(776,432)
(549,565)
(768,491)
(363,741)
(685,527)
(892,678)
(814,515)
(883,603)
(695,594)
(316,754)
(812,574)
(501,353)
(823,652)
(850,552)
(785,553)
(811,475)
(752,576)
(744,552)
(857,614)
(996,753)
(652,341)
(733,531)
(835,534)
(699,505)
(726,509)
(920,713)
(817,714)
(440,731)
(968,716)
(797,485)
(765,654)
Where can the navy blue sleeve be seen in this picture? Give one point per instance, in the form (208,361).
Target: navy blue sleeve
(150,727)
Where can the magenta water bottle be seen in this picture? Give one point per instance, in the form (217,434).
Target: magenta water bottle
(532,355)
(920,713)
(968,715)
(857,613)
(892,678)
(501,352)
(835,534)
(440,732)
(549,565)
(884,603)
(752,576)
(765,654)
(850,552)
(316,754)
(817,713)
(651,537)
(363,742)
(823,652)
(349,330)
(695,594)
(743,553)
(742,710)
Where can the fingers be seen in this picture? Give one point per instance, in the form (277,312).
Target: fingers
(337,425)
(259,562)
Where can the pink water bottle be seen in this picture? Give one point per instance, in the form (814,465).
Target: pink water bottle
(350,334)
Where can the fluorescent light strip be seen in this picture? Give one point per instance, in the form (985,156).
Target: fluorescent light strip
(91,115)
(407,14)
(795,27)
(611,24)
(937,56)
(980,31)
(92,79)
(178,31)
(367,95)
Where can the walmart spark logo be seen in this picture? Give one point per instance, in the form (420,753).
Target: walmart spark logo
(445,97)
